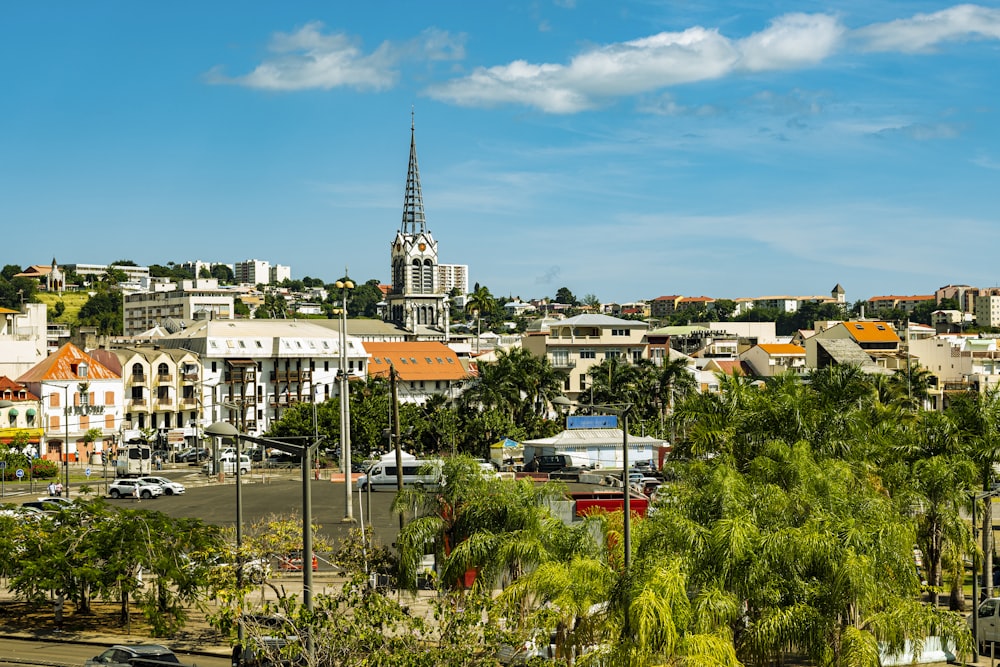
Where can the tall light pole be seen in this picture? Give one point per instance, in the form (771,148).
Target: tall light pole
(227,430)
(65,447)
(345,406)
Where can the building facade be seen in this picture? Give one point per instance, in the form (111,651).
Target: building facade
(81,404)
(253,370)
(191,300)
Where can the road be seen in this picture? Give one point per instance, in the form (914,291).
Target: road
(273,493)
(32,652)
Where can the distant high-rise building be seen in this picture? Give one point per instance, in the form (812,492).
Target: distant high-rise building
(453,276)
(252,272)
(279,274)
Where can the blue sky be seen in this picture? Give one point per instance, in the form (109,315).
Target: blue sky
(625,149)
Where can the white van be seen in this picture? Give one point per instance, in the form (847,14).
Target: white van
(415,471)
(227,464)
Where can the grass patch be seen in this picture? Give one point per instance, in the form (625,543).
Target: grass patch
(72,302)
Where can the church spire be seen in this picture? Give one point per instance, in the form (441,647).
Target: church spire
(413,202)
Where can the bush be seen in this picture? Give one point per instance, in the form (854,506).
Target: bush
(44,469)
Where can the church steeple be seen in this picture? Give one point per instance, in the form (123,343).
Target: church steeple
(413,201)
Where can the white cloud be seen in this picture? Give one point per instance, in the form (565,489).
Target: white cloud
(924,31)
(793,40)
(308,59)
(646,64)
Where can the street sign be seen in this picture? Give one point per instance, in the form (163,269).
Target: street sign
(3,465)
(19,473)
(87,472)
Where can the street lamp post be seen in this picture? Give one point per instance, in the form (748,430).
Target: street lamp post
(345,406)
(226,430)
(304,452)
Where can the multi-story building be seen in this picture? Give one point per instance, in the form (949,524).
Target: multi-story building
(23,335)
(162,390)
(577,343)
(191,300)
(416,300)
(20,422)
(81,404)
(770,359)
(96,271)
(453,276)
(423,369)
(903,303)
(253,370)
(663,306)
(252,272)
(987,308)
(870,345)
(278,274)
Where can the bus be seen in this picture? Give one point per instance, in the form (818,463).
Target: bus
(134,460)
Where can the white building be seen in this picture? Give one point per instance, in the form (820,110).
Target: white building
(453,276)
(23,338)
(252,272)
(988,310)
(253,370)
(80,398)
(191,300)
(279,274)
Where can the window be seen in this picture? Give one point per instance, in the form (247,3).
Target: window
(82,370)
(215,367)
(612,354)
(450,360)
(588,354)
(621,332)
(428,359)
(258,344)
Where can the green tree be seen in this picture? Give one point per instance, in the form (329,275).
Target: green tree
(480,303)
(563,295)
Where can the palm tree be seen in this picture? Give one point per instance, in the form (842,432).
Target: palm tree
(480,302)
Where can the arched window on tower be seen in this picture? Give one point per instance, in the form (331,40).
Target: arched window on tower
(428,276)
(415,285)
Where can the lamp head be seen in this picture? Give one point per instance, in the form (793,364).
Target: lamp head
(344,284)
(221,430)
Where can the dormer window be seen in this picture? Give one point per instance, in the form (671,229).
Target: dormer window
(81,370)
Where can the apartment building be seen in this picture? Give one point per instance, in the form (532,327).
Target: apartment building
(162,391)
(253,370)
(97,271)
(190,300)
(903,303)
(23,336)
(252,272)
(868,344)
(20,423)
(453,276)
(575,344)
(987,308)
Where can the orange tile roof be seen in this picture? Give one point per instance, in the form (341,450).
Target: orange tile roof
(775,349)
(731,367)
(871,332)
(13,391)
(63,364)
(415,361)
(697,299)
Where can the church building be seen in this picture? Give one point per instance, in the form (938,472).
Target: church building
(416,300)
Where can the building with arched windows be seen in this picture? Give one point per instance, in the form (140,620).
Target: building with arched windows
(417,299)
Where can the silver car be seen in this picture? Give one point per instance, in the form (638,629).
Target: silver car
(170,488)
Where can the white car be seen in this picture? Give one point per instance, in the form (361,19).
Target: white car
(131,488)
(227,464)
(170,488)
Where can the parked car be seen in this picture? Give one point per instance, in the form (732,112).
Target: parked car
(57,501)
(293,562)
(128,488)
(227,464)
(282,460)
(548,463)
(191,455)
(170,488)
(129,655)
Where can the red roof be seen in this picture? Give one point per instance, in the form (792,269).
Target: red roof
(415,361)
(64,364)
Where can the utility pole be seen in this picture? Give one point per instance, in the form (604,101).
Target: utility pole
(395,434)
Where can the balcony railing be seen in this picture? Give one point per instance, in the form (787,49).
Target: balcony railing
(166,403)
(291,376)
(164,378)
(138,379)
(190,377)
(137,404)
(563,362)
